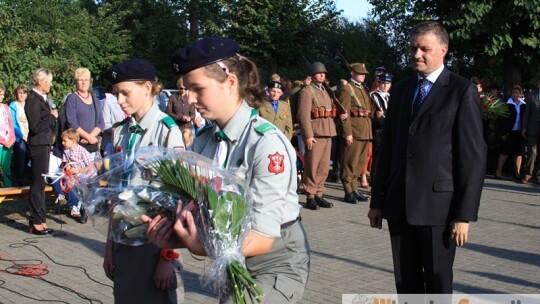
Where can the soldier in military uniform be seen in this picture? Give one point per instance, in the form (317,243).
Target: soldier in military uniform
(316,114)
(276,111)
(133,267)
(238,139)
(380,101)
(356,132)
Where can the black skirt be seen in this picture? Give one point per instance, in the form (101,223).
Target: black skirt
(513,145)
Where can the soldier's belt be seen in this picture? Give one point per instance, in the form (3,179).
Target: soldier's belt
(357,112)
(323,113)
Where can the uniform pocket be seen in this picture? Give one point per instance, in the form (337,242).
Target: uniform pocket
(443,186)
(289,289)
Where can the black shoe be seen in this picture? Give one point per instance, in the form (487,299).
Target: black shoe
(350,198)
(361,197)
(311,204)
(323,203)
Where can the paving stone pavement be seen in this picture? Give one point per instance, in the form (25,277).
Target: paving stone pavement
(347,256)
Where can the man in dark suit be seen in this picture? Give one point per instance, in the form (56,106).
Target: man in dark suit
(431,166)
(531,131)
(41,118)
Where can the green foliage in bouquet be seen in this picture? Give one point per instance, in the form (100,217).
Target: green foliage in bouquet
(227,211)
(492,108)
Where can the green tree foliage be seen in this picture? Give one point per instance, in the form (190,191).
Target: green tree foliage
(277,33)
(59,35)
(499,39)
(157,28)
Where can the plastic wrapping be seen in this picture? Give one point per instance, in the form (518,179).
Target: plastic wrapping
(152,182)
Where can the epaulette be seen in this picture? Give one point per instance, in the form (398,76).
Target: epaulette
(201,131)
(169,122)
(118,124)
(265,127)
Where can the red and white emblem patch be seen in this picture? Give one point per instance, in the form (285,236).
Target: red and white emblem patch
(276,163)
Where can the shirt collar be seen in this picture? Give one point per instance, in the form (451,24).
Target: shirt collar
(356,83)
(511,101)
(149,118)
(40,94)
(237,124)
(434,75)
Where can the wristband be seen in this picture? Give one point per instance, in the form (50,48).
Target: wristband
(169,254)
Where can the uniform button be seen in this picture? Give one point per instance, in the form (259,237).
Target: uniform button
(409,155)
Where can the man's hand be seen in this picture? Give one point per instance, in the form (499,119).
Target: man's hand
(379,113)
(460,232)
(348,140)
(54,113)
(309,143)
(375,217)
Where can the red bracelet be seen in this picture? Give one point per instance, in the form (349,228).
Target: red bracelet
(169,254)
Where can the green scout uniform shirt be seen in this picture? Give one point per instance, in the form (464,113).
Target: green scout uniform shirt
(264,156)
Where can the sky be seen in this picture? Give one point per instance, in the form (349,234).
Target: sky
(353,9)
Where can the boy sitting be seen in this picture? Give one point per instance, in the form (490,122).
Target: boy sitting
(78,162)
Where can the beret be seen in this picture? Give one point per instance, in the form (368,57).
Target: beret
(379,70)
(386,77)
(202,53)
(275,84)
(359,68)
(132,70)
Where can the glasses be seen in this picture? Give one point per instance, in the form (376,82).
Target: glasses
(83,80)
(182,89)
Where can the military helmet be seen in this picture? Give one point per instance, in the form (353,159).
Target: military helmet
(318,67)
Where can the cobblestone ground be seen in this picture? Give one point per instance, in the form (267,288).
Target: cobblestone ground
(347,256)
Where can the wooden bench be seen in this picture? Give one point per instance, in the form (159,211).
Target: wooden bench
(17,191)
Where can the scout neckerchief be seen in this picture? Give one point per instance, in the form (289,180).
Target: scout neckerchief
(221,157)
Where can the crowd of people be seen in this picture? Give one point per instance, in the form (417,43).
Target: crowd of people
(411,148)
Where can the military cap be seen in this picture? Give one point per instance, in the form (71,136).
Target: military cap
(202,53)
(386,77)
(274,84)
(359,68)
(132,70)
(379,70)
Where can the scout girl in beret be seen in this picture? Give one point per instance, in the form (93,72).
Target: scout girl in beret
(226,87)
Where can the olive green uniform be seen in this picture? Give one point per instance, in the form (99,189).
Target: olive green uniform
(282,119)
(258,152)
(356,100)
(135,266)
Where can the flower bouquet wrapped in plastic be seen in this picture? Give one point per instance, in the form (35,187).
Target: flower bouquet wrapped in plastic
(492,108)
(152,182)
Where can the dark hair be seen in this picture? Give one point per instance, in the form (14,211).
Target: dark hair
(248,78)
(475,80)
(432,27)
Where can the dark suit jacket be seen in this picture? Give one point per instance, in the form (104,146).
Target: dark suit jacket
(431,167)
(40,120)
(531,117)
(507,123)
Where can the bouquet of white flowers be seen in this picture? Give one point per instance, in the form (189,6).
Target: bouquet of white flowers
(152,182)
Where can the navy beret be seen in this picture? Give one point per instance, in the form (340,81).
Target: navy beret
(379,70)
(132,70)
(274,84)
(386,77)
(202,53)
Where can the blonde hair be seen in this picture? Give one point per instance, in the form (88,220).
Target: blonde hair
(22,87)
(82,72)
(71,134)
(41,75)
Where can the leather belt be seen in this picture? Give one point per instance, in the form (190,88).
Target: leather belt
(289,224)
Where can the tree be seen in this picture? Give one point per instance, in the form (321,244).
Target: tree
(59,35)
(486,36)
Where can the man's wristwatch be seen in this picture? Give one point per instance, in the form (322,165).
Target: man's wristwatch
(169,254)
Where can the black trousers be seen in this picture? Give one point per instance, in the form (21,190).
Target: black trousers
(423,258)
(39,157)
